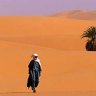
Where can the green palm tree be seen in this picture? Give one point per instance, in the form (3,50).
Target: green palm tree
(90,33)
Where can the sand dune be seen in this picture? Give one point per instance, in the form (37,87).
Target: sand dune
(58,43)
(73,71)
(45,31)
(77,14)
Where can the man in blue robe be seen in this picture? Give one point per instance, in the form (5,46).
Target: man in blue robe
(34,72)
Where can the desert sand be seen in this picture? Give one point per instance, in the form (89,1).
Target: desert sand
(68,70)
(77,14)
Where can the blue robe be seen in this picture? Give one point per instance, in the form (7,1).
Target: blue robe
(34,74)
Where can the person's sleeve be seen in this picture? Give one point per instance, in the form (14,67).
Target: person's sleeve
(30,69)
(40,64)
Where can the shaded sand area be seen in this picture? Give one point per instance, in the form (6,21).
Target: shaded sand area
(49,94)
(77,14)
(67,68)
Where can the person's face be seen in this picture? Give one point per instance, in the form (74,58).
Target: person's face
(35,57)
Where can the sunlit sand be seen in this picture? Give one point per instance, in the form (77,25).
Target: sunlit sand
(67,67)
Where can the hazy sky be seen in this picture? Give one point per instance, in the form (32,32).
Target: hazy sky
(43,7)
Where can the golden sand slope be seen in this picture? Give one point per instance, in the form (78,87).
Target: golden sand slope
(77,14)
(66,64)
(62,70)
(45,31)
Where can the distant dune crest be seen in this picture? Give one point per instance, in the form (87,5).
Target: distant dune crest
(77,14)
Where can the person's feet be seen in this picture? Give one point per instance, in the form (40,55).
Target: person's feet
(34,91)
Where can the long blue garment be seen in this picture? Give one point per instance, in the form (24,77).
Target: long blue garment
(34,73)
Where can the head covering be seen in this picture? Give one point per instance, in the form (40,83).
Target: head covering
(38,60)
(35,55)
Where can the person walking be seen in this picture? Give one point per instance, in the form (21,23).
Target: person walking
(34,72)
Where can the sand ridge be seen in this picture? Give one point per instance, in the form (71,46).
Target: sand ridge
(58,43)
(77,14)
(45,31)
